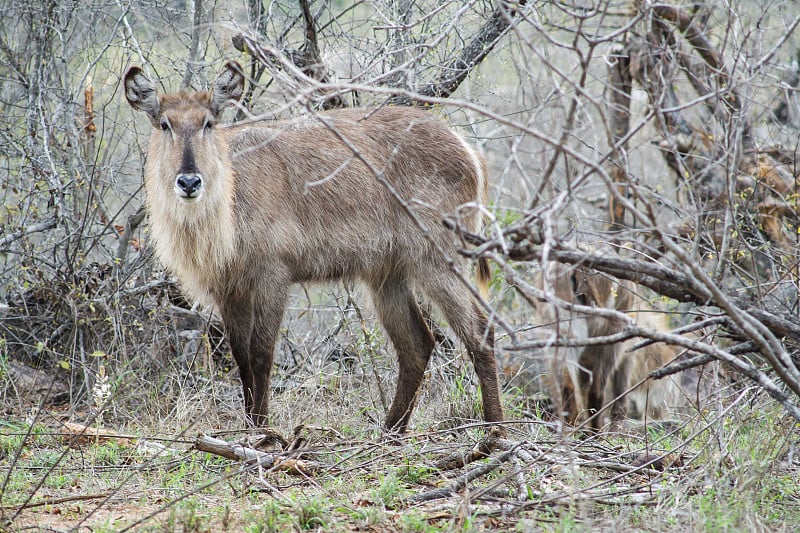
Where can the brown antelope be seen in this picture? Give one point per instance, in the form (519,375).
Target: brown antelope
(241,212)
(584,379)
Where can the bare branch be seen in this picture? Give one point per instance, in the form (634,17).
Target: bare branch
(619,91)
(476,51)
(131,225)
(307,62)
(194,47)
(34,228)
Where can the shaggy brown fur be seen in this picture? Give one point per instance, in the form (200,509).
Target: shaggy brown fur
(241,212)
(583,380)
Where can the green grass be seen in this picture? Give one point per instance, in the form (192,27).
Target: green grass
(731,474)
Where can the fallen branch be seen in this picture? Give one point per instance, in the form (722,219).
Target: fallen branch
(297,467)
(58,501)
(458,460)
(463,480)
(30,383)
(83,434)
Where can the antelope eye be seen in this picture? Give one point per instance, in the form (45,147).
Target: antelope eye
(164,125)
(208,124)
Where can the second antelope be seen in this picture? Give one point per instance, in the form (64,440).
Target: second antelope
(241,212)
(585,380)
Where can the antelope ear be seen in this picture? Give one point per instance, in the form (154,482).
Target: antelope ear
(141,93)
(228,88)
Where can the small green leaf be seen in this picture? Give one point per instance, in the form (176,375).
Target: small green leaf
(64,364)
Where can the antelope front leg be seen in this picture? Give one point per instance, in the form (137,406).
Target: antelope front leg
(268,314)
(237,315)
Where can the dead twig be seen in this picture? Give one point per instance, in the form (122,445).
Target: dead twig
(58,501)
(308,60)
(680,366)
(703,45)
(619,96)
(132,223)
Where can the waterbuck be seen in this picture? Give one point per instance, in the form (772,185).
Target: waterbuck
(241,212)
(584,379)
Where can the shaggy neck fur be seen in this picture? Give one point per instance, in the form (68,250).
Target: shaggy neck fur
(195,241)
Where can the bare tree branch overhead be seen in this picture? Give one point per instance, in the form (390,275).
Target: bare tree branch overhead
(450,76)
(481,45)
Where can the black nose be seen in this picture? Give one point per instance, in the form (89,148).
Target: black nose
(188,183)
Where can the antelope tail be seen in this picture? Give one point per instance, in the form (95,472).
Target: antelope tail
(484,276)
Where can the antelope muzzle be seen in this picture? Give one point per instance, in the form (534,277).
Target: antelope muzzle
(188,187)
